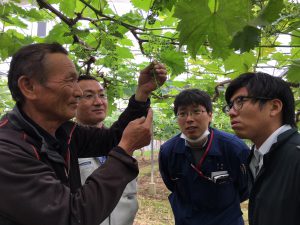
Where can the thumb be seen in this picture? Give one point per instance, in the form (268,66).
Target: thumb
(149,67)
(149,118)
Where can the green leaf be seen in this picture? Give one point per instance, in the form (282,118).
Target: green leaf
(281,58)
(240,63)
(19,23)
(294,71)
(197,23)
(57,34)
(247,39)
(174,60)
(168,4)
(270,13)
(11,41)
(195,18)
(219,38)
(54,1)
(292,26)
(67,7)
(34,14)
(295,41)
(235,14)
(142,4)
(124,52)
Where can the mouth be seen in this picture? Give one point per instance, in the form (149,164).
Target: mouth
(74,104)
(98,110)
(191,129)
(234,124)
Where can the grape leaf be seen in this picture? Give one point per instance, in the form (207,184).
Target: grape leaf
(247,39)
(270,13)
(174,60)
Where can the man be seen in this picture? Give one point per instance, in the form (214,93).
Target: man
(262,108)
(203,167)
(39,147)
(91,111)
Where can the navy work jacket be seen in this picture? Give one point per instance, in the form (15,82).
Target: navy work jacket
(196,200)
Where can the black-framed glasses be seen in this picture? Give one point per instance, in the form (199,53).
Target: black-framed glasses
(239,101)
(193,113)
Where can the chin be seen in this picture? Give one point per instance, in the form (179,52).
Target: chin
(192,137)
(240,134)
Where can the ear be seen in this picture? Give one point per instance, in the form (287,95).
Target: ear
(276,107)
(27,87)
(210,116)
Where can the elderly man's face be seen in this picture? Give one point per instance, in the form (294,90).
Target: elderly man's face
(57,99)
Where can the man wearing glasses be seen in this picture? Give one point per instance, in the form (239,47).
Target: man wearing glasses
(262,108)
(91,112)
(204,168)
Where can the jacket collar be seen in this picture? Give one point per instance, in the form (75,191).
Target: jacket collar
(214,150)
(44,141)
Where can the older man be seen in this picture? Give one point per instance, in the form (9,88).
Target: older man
(39,147)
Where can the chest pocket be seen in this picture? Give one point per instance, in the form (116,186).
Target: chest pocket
(197,191)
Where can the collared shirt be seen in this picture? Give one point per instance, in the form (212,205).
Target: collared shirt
(257,159)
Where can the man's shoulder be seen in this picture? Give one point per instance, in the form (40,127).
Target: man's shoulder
(227,137)
(231,142)
(13,141)
(169,143)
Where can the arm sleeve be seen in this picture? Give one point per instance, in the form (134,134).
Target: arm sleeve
(163,168)
(242,181)
(93,142)
(31,194)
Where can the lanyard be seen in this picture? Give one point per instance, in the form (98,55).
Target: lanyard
(198,170)
(199,164)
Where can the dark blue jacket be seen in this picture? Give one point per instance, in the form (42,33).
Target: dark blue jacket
(196,200)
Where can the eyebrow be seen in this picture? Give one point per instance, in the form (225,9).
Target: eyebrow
(240,96)
(92,91)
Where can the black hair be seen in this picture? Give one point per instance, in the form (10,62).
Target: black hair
(264,85)
(29,61)
(192,96)
(86,77)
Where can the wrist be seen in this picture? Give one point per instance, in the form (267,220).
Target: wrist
(125,148)
(141,96)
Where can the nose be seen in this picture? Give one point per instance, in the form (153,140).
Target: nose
(189,117)
(98,100)
(232,112)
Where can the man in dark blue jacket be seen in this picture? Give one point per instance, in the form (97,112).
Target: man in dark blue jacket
(204,168)
(262,108)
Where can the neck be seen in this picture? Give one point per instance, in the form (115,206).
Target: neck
(48,124)
(98,125)
(198,144)
(262,137)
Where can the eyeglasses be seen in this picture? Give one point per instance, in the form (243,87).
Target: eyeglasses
(238,103)
(90,96)
(194,113)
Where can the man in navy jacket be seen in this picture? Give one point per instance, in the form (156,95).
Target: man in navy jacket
(204,168)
